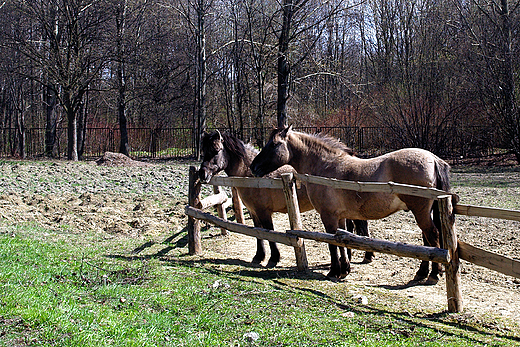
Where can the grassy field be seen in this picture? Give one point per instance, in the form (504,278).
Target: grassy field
(61,288)
(80,292)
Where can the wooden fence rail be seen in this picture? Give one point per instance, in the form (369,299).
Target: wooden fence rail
(452,250)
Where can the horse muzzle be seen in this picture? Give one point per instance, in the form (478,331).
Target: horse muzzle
(204,175)
(256,170)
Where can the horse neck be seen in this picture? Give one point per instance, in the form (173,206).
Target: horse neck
(307,159)
(239,167)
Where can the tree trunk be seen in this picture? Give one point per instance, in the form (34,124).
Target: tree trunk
(510,111)
(50,121)
(20,128)
(82,127)
(201,75)
(124,147)
(284,68)
(72,142)
(259,119)
(72,128)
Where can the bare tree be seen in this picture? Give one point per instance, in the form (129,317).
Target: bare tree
(195,15)
(303,23)
(416,94)
(121,13)
(70,56)
(494,61)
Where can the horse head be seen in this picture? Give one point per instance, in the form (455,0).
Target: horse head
(275,153)
(214,158)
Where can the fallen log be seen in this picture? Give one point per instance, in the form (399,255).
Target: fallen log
(489,260)
(261,233)
(345,239)
(489,212)
(213,200)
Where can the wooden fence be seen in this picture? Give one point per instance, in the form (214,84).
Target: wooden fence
(453,250)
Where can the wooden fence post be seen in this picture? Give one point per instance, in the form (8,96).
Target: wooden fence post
(449,240)
(293,210)
(194,245)
(221,210)
(237,206)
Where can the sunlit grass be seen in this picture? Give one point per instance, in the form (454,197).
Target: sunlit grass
(70,293)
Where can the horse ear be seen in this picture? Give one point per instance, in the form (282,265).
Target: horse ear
(285,130)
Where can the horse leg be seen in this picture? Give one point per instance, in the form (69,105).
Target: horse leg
(362,230)
(422,273)
(267,223)
(345,224)
(430,238)
(337,270)
(438,225)
(260,248)
(260,252)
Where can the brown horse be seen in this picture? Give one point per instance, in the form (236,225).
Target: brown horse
(228,153)
(324,156)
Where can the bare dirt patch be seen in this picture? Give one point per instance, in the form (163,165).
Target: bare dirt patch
(146,201)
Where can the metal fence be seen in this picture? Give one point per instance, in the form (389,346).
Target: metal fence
(470,141)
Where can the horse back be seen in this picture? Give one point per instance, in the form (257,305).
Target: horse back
(414,166)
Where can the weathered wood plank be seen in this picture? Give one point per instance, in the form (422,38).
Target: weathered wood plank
(213,200)
(260,233)
(489,260)
(247,182)
(373,187)
(221,210)
(490,212)
(295,221)
(449,239)
(194,187)
(345,239)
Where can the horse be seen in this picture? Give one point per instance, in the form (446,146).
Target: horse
(223,152)
(321,155)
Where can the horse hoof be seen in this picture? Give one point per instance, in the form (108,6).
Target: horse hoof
(335,279)
(431,281)
(418,278)
(271,264)
(256,260)
(345,272)
(366,261)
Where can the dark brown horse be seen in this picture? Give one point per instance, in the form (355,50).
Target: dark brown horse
(324,156)
(228,153)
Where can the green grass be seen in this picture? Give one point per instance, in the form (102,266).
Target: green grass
(168,152)
(487,186)
(85,290)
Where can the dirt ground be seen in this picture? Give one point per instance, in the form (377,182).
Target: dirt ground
(121,198)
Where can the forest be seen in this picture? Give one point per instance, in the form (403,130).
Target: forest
(418,68)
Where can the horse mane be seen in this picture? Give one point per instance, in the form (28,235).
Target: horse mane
(322,142)
(334,143)
(232,144)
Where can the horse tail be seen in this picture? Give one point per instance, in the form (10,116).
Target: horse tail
(442,170)
(442,178)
